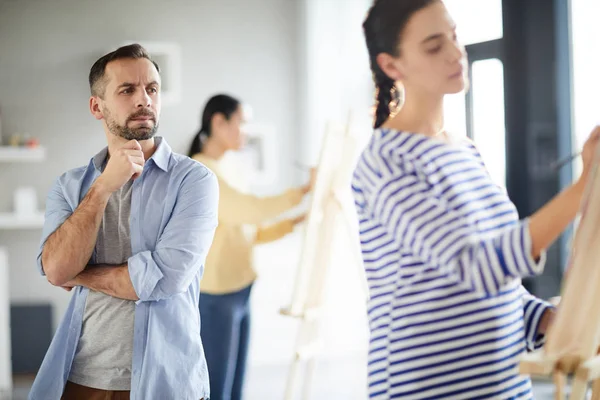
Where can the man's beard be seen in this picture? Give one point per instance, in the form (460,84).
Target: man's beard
(140,133)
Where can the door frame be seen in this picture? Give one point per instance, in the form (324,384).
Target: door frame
(478,52)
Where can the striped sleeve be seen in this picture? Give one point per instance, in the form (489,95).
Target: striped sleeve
(407,206)
(533,309)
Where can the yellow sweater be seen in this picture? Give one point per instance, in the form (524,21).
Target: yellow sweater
(229,262)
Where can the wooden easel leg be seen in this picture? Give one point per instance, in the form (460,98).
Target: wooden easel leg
(560,380)
(596,390)
(310,374)
(578,389)
(290,388)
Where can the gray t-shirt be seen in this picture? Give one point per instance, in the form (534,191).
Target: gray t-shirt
(104,353)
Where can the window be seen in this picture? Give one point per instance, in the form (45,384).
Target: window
(477,20)
(480,113)
(586,64)
(488,116)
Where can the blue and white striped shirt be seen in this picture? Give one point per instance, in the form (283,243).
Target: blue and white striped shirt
(444,252)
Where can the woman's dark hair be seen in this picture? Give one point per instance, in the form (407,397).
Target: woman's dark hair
(218,104)
(383,28)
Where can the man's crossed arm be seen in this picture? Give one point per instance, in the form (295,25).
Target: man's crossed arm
(154,275)
(111,280)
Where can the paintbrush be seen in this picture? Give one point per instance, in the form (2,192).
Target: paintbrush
(558,164)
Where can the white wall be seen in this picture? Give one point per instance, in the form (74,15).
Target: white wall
(47,48)
(334,76)
(333,79)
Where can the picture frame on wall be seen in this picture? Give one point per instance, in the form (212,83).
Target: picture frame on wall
(168,57)
(258,157)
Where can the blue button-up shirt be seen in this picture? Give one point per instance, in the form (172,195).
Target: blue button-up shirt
(173,218)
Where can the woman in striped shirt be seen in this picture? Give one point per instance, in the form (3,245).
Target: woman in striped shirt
(443,247)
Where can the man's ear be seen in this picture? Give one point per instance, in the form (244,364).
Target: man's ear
(390,66)
(95,107)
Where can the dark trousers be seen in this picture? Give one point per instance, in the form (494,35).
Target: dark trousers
(225,335)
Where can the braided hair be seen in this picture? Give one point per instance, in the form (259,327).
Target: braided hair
(383,28)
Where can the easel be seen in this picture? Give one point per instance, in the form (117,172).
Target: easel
(331,201)
(574,338)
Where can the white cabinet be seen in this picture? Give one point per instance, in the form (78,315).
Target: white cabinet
(12,221)
(5,346)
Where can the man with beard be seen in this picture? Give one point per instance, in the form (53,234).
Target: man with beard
(130,233)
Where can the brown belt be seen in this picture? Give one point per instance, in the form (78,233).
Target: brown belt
(74,391)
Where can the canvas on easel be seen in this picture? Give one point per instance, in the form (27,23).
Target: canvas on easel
(330,206)
(574,337)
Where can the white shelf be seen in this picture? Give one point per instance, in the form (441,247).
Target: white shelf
(14,221)
(22,154)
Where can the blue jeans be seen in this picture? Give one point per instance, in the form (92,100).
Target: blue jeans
(225,334)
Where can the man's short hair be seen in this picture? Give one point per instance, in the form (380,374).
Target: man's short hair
(97,79)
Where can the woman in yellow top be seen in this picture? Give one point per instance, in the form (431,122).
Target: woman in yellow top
(228,274)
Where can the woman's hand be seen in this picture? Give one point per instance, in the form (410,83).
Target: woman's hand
(299,219)
(548,316)
(587,155)
(546,321)
(311,182)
